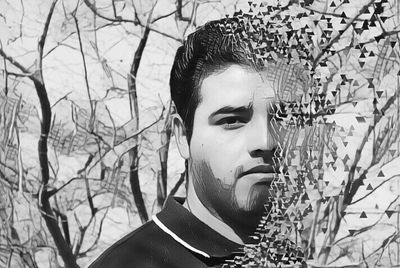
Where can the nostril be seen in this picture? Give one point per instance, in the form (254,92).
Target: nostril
(257,153)
(266,155)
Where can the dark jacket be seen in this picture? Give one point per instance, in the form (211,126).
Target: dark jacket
(174,238)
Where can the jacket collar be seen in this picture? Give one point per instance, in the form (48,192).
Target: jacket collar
(192,233)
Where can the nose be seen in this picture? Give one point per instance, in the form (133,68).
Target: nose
(261,142)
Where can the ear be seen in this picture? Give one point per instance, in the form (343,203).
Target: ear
(180,136)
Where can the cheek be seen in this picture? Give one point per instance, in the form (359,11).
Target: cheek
(224,166)
(221,158)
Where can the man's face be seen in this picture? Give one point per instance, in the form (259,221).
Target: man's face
(231,148)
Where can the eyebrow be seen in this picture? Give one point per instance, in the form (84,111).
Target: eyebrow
(233,110)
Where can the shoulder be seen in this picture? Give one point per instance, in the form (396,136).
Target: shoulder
(174,238)
(143,247)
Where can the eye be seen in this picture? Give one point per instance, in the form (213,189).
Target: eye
(231,122)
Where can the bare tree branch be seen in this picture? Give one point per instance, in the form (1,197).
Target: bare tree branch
(133,103)
(135,22)
(93,8)
(84,70)
(14,62)
(178,184)
(353,185)
(95,242)
(44,202)
(337,37)
(373,190)
(179,7)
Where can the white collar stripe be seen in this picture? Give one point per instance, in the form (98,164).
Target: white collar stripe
(177,238)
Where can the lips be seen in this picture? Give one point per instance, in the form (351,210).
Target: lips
(260,169)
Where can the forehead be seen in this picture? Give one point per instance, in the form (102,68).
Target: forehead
(236,85)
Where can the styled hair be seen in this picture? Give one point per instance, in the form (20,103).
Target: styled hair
(211,48)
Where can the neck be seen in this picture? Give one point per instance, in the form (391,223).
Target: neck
(196,207)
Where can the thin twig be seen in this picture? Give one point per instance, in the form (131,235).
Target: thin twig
(178,184)
(373,190)
(135,22)
(337,37)
(14,62)
(84,69)
(60,99)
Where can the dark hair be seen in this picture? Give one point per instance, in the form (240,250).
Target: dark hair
(213,47)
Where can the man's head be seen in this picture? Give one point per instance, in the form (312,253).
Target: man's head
(225,98)
(211,48)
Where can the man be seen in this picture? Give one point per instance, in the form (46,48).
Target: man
(225,133)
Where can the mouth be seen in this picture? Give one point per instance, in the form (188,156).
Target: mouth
(260,169)
(261,174)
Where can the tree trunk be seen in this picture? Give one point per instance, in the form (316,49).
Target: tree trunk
(133,153)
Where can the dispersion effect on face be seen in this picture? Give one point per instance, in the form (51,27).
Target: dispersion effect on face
(338,138)
(287,114)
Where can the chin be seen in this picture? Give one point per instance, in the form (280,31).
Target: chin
(251,197)
(250,218)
